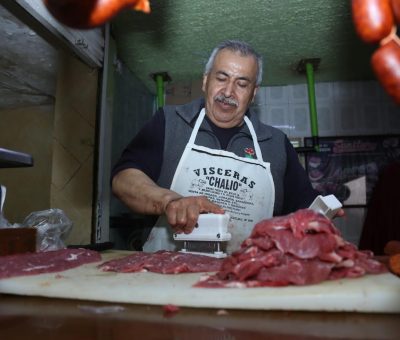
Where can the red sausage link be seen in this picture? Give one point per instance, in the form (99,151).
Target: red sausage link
(396,10)
(373,19)
(386,65)
(91,13)
(392,247)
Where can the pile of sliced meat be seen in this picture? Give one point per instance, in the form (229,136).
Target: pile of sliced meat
(298,249)
(45,262)
(164,262)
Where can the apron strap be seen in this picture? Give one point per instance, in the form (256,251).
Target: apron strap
(197,126)
(254,136)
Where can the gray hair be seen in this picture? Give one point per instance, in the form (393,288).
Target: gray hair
(236,46)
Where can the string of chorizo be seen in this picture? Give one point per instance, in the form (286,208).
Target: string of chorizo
(375,22)
(86,14)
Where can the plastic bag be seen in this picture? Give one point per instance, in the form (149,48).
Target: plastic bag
(3,221)
(52,226)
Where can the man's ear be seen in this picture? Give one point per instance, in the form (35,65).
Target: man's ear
(203,87)
(254,93)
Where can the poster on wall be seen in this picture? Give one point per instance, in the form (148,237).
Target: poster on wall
(349,167)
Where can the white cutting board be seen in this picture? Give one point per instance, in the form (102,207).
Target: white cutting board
(372,293)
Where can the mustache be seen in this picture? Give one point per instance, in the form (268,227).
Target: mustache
(226,100)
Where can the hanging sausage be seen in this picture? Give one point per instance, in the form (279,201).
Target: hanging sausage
(84,14)
(375,22)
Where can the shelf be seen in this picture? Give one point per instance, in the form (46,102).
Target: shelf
(14,159)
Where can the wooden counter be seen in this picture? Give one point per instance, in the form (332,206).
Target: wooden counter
(23,317)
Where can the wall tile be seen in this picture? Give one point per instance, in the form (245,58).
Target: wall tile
(326,118)
(297,93)
(74,132)
(261,112)
(346,91)
(65,165)
(261,97)
(346,119)
(277,95)
(299,119)
(324,91)
(277,116)
(370,122)
(370,91)
(79,87)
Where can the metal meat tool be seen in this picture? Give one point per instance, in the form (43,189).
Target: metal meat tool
(326,205)
(206,238)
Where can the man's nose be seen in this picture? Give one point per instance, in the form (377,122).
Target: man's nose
(228,89)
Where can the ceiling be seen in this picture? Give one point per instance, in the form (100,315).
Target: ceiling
(28,65)
(178,36)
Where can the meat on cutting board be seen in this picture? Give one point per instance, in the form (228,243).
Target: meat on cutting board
(164,262)
(45,262)
(297,249)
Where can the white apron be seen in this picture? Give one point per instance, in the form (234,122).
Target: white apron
(243,186)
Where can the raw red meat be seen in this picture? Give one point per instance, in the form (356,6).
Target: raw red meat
(170,310)
(45,262)
(164,262)
(298,249)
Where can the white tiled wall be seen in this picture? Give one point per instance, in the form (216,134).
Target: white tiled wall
(344,109)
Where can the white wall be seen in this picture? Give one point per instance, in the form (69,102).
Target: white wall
(344,109)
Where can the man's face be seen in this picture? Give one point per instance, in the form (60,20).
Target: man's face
(229,88)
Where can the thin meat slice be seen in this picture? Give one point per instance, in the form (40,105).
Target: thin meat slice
(261,242)
(245,267)
(45,262)
(298,249)
(295,271)
(306,221)
(301,223)
(314,245)
(164,262)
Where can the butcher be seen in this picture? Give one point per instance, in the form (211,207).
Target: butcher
(212,155)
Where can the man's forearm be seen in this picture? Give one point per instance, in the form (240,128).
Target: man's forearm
(140,193)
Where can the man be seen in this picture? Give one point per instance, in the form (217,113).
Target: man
(212,155)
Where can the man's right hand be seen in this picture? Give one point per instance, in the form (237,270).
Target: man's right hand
(143,196)
(182,213)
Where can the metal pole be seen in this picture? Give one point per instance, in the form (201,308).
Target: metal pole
(160,78)
(312,103)
(101,200)
(160,90)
